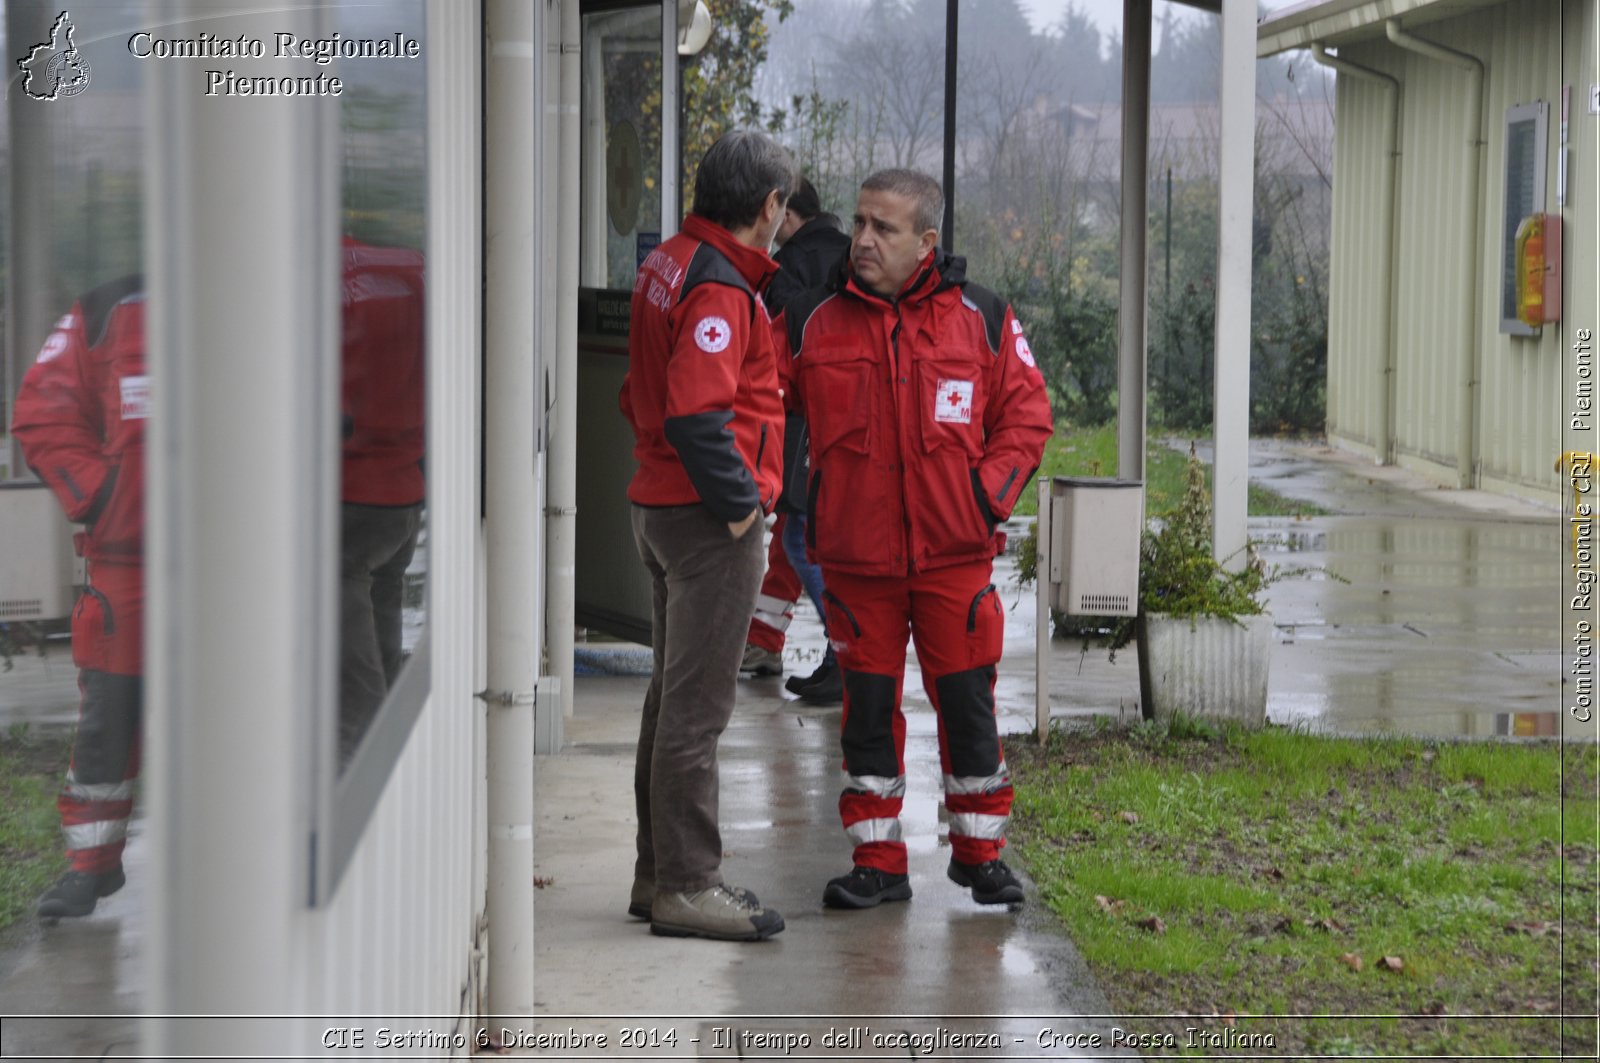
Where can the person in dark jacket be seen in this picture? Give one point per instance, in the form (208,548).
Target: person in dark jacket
(928,418)
(702,396)
(811,246)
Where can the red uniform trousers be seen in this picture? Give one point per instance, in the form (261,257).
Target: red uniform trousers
(956,621)
(107,646)
(780,589)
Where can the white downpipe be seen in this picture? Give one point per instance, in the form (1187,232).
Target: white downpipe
(562,464)
(513,89)
(1231,373)
(1467,406)
(1386,225)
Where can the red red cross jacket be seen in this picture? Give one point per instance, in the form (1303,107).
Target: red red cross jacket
(702,386)
(382,397)
(80,417)
(928,419)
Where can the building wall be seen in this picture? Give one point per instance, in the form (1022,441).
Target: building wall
(1529,49)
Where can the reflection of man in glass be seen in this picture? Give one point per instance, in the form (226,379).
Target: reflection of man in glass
(80,417)
(381,473)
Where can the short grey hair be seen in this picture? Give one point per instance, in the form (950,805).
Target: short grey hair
(918,187)
(737,175)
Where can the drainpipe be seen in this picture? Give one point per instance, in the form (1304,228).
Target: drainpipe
(513,87)
(1467,415)
(1386,225)
(562,462)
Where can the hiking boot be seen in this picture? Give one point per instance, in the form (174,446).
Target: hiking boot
(722,912)
(76,892)
(644,895)
(825,686)
(991,883)
(761,662)
(866,887)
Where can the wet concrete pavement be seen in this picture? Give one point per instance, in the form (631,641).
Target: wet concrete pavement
(1450,624)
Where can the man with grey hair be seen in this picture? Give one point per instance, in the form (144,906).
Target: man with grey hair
(702,396)
(928,419)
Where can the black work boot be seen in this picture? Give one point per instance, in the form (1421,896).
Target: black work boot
(825,686)
(866,887)
(76,892)
(991,883)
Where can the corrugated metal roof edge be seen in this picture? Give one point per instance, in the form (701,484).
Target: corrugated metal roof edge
(1342,21)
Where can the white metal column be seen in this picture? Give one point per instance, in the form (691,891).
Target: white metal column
(1132,349)
(1236,191)
(242,236)
(513,156)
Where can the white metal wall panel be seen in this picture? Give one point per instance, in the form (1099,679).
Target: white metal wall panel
(1530,48)
(398,937)
(1430,329)
(1520,411)
(1357,337)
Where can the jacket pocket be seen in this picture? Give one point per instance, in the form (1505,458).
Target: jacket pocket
(839,406)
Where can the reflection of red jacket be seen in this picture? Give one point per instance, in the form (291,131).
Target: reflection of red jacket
(382,402)
(80,416)
(702,384)
(928,419)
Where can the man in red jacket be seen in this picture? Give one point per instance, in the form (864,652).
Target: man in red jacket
(702,396)
(80,416)
(928,418)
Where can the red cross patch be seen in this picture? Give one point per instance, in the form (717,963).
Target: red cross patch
(712,335)
(953,404)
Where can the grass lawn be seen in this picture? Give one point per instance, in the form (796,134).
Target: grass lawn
(1398,897)
(1093,452)
(31,766)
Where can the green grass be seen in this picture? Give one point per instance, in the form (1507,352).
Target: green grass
(1278,863)
(31,767)
(1093,452)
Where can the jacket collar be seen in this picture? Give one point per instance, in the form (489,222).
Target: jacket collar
(755,266)
(942,270)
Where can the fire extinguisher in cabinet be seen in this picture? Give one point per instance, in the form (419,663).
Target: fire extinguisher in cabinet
(1538,249)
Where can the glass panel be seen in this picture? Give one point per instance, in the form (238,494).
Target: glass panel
(74,404)
(621,144)
(383,526)
(1524,169)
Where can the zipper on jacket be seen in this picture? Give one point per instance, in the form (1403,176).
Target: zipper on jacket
(761,450)
(1000,495)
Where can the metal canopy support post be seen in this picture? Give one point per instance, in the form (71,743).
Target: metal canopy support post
(243,463)
(1236,187)
(561,460)
(952,48)
(514,55)
(1043,592)
(1132,297)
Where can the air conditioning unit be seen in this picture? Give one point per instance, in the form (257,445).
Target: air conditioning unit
(38,569)
(1095,525)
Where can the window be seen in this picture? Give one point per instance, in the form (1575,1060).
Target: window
(1524,173)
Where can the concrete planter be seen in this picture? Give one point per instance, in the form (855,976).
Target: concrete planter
(1205,667)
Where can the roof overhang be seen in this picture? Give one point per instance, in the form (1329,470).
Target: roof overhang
(1335,22)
